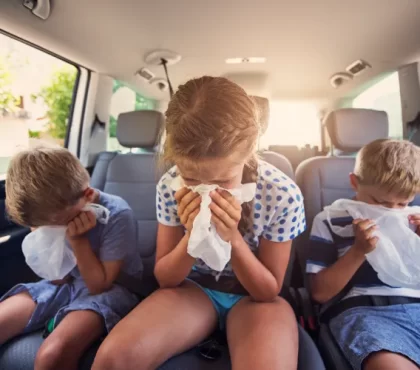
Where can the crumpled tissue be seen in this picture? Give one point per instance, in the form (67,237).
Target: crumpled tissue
(47,252)
(396,258)
(205,243)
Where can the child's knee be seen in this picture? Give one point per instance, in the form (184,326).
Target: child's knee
(49,355)
(116,355)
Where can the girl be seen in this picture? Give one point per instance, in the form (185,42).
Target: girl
(211,134)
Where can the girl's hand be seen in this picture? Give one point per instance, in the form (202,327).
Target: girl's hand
(80,225)
(226,214)
(188,206)
(415,220)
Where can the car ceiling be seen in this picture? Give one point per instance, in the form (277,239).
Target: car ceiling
(304,41)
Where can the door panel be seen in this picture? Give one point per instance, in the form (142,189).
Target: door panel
(13,269)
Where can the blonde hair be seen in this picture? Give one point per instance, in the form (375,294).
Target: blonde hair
(393,165)
(212,117)
(41,182)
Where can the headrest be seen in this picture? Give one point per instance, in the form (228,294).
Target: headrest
(139,129)
(350,129)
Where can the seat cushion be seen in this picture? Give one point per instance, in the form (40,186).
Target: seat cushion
(19,354)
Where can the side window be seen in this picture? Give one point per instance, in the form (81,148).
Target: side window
(384,95)
(124,99)
(36,95)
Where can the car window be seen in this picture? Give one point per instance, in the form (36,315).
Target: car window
(124,99)
(384,95)
(292,123)
(36,94)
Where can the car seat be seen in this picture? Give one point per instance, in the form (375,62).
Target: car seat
(326,179)
(133,176)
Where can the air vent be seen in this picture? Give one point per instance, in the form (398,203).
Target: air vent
(358,67)
(339,79)
(145,74)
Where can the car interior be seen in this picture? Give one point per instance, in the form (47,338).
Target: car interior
(96,77)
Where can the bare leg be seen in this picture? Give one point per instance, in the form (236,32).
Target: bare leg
(262,335)
(388,361)
(15,313)
(67,343)
(168,322)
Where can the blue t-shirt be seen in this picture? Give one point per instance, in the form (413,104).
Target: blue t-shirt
(116,240)
(278,215)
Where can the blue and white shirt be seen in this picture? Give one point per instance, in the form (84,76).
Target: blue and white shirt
(325,248)
(278,216)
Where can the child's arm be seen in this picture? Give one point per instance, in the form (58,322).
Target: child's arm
(173,263)
(100,273)
(331,280)
(262,276)
(98,276)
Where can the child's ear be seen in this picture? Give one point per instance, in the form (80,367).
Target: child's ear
(89,195)
(354,181)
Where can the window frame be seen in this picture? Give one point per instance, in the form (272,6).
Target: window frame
(76,86)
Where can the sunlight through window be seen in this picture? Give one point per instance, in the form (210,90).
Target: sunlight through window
(292,123)
(385,96)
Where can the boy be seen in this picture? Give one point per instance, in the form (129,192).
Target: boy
(385,335)
(49,186)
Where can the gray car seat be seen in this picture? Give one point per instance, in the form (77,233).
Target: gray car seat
(134,177)
(326,179)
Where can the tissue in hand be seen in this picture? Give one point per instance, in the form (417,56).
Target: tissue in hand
(47,252)
(204,242)
(397,253)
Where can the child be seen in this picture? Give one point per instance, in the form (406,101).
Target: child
(387,173)
(47,186)
(211,135)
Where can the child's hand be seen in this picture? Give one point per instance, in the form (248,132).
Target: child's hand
(415,220)
(365,242)
(226,214)
(188,206)
(80,225)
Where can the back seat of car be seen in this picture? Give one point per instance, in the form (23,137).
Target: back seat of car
(326,179)
(134,176)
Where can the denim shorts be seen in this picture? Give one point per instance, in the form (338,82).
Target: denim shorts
(55,302)
(361,331)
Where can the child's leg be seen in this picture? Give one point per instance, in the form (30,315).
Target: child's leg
(67,343)
(388,361)
(15,313)
(262,335)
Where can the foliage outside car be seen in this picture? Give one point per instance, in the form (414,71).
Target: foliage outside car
(58,96)
(8,101)
(141,103)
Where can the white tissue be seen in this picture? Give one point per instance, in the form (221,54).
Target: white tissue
(48,254)
(397,253)
(204,242)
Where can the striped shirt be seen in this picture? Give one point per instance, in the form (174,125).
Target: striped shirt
(325,248)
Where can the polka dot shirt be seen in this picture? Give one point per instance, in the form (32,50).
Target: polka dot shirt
(278,213)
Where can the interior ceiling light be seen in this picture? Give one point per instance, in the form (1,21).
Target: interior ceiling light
(245,60)
(358,67)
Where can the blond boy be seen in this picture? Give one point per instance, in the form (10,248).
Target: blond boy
(371,335)
(49,186)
